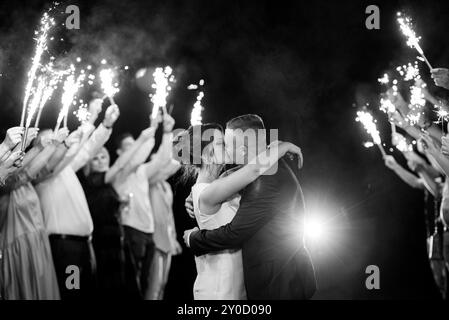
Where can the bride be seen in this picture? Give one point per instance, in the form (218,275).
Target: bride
(215,203)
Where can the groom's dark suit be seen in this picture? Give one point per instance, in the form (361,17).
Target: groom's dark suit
(268,228)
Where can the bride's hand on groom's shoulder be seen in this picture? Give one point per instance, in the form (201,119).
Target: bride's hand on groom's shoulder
(187,234)
(288,148)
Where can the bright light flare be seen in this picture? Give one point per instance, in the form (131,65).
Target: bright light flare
(315,229)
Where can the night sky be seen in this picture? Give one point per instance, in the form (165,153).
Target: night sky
(302,66)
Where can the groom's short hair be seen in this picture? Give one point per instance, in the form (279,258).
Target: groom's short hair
(245,122)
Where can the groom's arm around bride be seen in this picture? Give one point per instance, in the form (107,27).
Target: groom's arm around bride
(268,229)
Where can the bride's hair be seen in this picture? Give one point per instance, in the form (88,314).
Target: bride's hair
(192,140)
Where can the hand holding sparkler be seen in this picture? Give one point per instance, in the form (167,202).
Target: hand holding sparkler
(10,164)
(390,162)
(95,107)
(13,138)
(61,135)
(111,116)
(73,138)
(31,134)
(445,145)
(429,144)
(441,77)
(169,123)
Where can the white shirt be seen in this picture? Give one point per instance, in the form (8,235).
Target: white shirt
(135,187)
(62,197)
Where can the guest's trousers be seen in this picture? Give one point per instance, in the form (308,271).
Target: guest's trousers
(160,269)
(74,261)
(141,247)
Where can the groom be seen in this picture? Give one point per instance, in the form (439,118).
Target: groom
(268,226)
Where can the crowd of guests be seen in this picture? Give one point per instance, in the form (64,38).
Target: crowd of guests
(73,226)
(428,169)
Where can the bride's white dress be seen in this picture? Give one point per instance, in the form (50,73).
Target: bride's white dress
(220,274)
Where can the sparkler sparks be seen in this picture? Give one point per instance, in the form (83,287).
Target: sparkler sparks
(368,122)
(71,87)
(405,24)
(35,101)
(107,84)
(400,142)
(195,118)
(162,77)
(442,115)
(384,80)
(387,106)
(46,23)
(82,113)
(417,103)
(409,71)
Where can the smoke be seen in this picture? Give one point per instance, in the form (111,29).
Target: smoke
(123,33)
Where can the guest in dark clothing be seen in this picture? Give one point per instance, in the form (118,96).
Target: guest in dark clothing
(108,236)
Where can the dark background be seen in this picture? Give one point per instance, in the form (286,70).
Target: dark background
(301,66)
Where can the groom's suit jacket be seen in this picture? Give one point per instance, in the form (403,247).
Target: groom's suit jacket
(268,226)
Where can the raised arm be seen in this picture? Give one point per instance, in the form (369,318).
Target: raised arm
(35,165)
(434,150)
(128,160)
(222,189)
(169,169)
(56,158)
(164,154)
(98,138)
(12,139)
(74,144)
(406,176)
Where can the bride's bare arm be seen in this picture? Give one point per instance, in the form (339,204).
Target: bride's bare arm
(222,189)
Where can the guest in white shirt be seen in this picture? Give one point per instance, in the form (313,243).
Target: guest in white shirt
(66,213)
(133,184)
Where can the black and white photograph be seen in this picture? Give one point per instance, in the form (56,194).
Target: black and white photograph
(198,151)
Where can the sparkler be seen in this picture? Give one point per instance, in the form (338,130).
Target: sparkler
(400,142)
(384,80)
(387,106)
(195,118)
(70,88)
(107,84)
(162,78)
(417,103)
(46,95)
(409,71)
(46,23)
(368,122)
(82,113)
(405,25)
(32,108)
(52,80)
